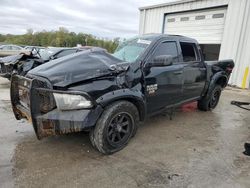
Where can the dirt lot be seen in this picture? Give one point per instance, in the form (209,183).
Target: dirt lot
(195,149)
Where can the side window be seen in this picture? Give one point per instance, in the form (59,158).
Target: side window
(15,48)
(64,53)
(7,48)
(189,52)
(167,48)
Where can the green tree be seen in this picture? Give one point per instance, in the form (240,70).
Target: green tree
(60,38)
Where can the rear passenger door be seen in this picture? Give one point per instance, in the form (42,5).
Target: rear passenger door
(194,71)
(163,84)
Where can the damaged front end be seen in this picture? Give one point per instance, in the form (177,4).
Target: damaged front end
(7,65)
(19,64)
(5,71)
(68,94)
(33,99)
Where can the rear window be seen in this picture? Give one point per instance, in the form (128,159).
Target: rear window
(189,52)
(221,15)
(201,17)
(183,19)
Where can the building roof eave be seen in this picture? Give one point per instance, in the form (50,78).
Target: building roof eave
(166,4)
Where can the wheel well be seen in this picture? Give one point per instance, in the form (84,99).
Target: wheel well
(222,81)
(139,105)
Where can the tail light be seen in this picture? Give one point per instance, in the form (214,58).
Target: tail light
(229,69)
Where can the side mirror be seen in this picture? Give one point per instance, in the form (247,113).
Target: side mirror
(162,61)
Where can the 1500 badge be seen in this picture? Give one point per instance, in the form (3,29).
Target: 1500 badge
(152,88)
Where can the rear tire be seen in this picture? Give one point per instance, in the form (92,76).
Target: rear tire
(211,100)
(115,127)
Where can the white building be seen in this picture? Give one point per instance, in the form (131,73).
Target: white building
(222,27)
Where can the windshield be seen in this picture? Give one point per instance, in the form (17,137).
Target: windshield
(131,49)
(47,53)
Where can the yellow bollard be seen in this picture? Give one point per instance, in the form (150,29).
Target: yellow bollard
(244,81)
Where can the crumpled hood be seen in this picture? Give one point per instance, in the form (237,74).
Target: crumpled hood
(11,59)
(79,67)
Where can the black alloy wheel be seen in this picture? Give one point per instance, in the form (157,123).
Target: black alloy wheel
(215,99)
(115,127)
(119,129)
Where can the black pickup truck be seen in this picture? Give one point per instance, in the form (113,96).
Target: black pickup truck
(109,94)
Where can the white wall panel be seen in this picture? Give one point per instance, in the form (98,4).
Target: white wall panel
(236,39)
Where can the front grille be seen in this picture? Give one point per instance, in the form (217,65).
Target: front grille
(3,68)
(42,99)
(23,92)
(32,95)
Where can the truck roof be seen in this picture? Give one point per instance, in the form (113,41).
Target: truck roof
(157,36)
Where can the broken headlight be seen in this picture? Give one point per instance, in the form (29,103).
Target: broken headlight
(71,101)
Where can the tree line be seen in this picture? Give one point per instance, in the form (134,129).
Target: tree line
(60,38)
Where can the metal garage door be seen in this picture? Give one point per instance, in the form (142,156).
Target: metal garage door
(206,26)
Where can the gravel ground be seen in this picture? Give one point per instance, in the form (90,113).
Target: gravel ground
(195,149)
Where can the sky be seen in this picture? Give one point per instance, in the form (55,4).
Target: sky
(102,18)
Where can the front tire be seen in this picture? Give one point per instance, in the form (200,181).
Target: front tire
(211,100)
(115,127)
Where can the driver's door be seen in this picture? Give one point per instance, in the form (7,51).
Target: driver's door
(163,84)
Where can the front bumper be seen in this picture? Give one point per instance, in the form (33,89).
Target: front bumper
(33,100)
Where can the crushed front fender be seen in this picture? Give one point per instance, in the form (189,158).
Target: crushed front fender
(33,100)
